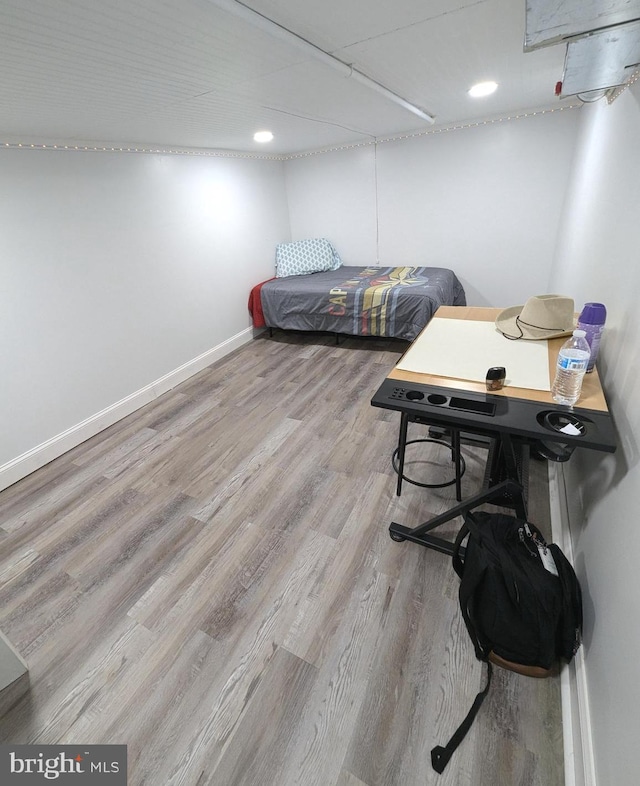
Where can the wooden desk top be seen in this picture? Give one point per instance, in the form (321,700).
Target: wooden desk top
(592,396)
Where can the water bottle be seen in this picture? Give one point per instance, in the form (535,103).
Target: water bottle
(572,365)
(591,320)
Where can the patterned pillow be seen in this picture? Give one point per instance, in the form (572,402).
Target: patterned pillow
(306,256)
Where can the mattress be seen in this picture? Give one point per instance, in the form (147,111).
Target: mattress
(374,301)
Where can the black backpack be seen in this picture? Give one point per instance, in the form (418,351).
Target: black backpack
(520,601)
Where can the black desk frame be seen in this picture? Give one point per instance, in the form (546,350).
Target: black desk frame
(511,424)
(509,492)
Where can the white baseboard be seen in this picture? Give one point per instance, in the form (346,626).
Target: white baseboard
(37,457)
(579,764)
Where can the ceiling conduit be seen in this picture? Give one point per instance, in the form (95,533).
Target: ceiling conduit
(282,33)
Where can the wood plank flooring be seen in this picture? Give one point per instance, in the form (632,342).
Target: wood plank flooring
(211,582)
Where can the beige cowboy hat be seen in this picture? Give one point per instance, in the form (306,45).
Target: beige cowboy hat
(542,316)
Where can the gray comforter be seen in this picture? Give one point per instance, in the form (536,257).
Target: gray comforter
(385,301)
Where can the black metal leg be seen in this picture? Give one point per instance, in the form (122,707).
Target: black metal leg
(419,534)
(402,446)
(512,471)
(503,483)
(455,442)
(503,464)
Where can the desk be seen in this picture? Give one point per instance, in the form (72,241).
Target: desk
(512,418)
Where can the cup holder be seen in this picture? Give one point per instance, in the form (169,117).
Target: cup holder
(415,395)
(436,398)
(564,423)
(553,451)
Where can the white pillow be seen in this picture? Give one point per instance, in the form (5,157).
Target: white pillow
(306,256)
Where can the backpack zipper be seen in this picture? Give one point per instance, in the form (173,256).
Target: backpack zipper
(537,541)
(525,534)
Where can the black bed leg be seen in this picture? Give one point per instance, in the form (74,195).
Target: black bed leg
(270,332)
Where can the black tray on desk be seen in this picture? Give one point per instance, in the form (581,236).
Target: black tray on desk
(489,414)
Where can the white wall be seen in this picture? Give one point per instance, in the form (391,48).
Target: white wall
(118,269)
(597,259)
(333,195)
(485,201)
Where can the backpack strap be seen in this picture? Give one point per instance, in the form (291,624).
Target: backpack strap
(458,564)
(440,755)
(469,582)
(470,526)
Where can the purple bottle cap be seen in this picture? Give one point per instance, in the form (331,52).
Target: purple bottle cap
(593,314)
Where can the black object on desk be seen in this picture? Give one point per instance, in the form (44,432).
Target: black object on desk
(496,377)
(512,424)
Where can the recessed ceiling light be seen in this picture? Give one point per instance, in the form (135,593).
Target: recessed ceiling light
(483,89)
(263,136)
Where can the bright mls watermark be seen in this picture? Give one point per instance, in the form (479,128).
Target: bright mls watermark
(66,765)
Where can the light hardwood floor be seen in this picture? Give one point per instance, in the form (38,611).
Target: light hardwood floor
(211,582)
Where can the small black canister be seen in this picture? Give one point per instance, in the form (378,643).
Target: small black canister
(495,378)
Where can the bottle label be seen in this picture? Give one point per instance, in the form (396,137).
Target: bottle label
(572,364)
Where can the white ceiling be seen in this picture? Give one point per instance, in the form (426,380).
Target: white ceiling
(187,74)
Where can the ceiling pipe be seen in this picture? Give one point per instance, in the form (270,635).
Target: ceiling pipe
(283,34)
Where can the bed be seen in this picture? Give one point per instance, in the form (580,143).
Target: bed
(371,301)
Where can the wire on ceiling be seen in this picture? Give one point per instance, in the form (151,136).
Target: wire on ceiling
(346,69)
